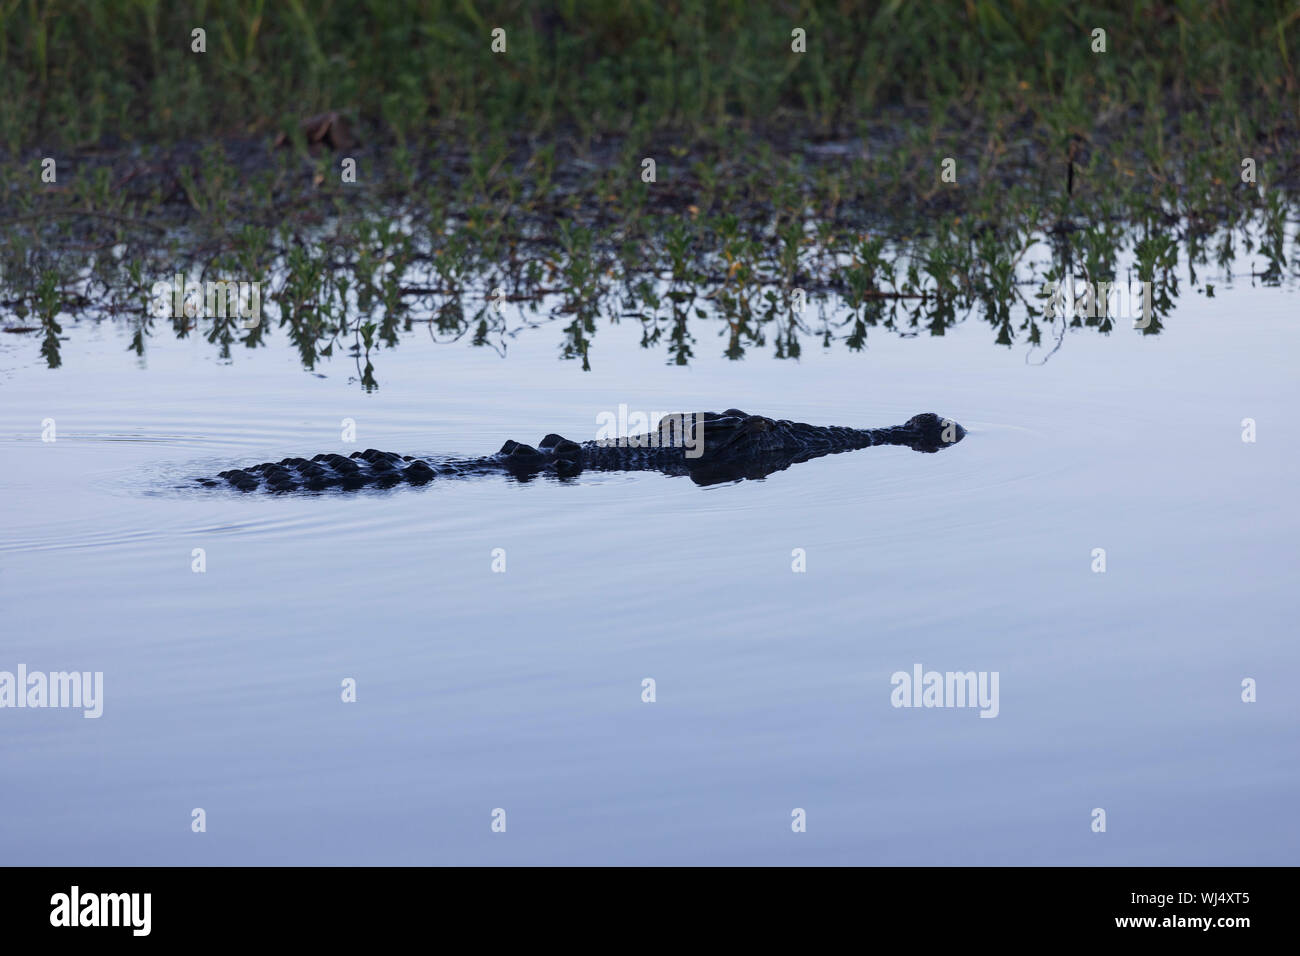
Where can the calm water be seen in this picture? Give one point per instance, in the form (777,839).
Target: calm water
(522,690)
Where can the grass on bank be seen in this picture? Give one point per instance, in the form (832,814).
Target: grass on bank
(521,170)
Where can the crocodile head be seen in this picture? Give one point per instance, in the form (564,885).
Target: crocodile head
(734,435)
(932,432)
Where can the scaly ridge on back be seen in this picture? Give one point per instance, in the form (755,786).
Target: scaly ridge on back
(710,447)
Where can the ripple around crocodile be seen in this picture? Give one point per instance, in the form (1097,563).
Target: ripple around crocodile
(709,447)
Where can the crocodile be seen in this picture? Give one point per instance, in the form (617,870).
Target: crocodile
(708,447)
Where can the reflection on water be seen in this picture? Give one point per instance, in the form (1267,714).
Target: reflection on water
(690,289)
(499,632)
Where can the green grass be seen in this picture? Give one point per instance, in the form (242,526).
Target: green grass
(74,71)
(776,171)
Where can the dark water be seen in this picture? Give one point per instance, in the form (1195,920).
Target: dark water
(522,690)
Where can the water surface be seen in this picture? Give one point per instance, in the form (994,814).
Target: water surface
(522,690)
